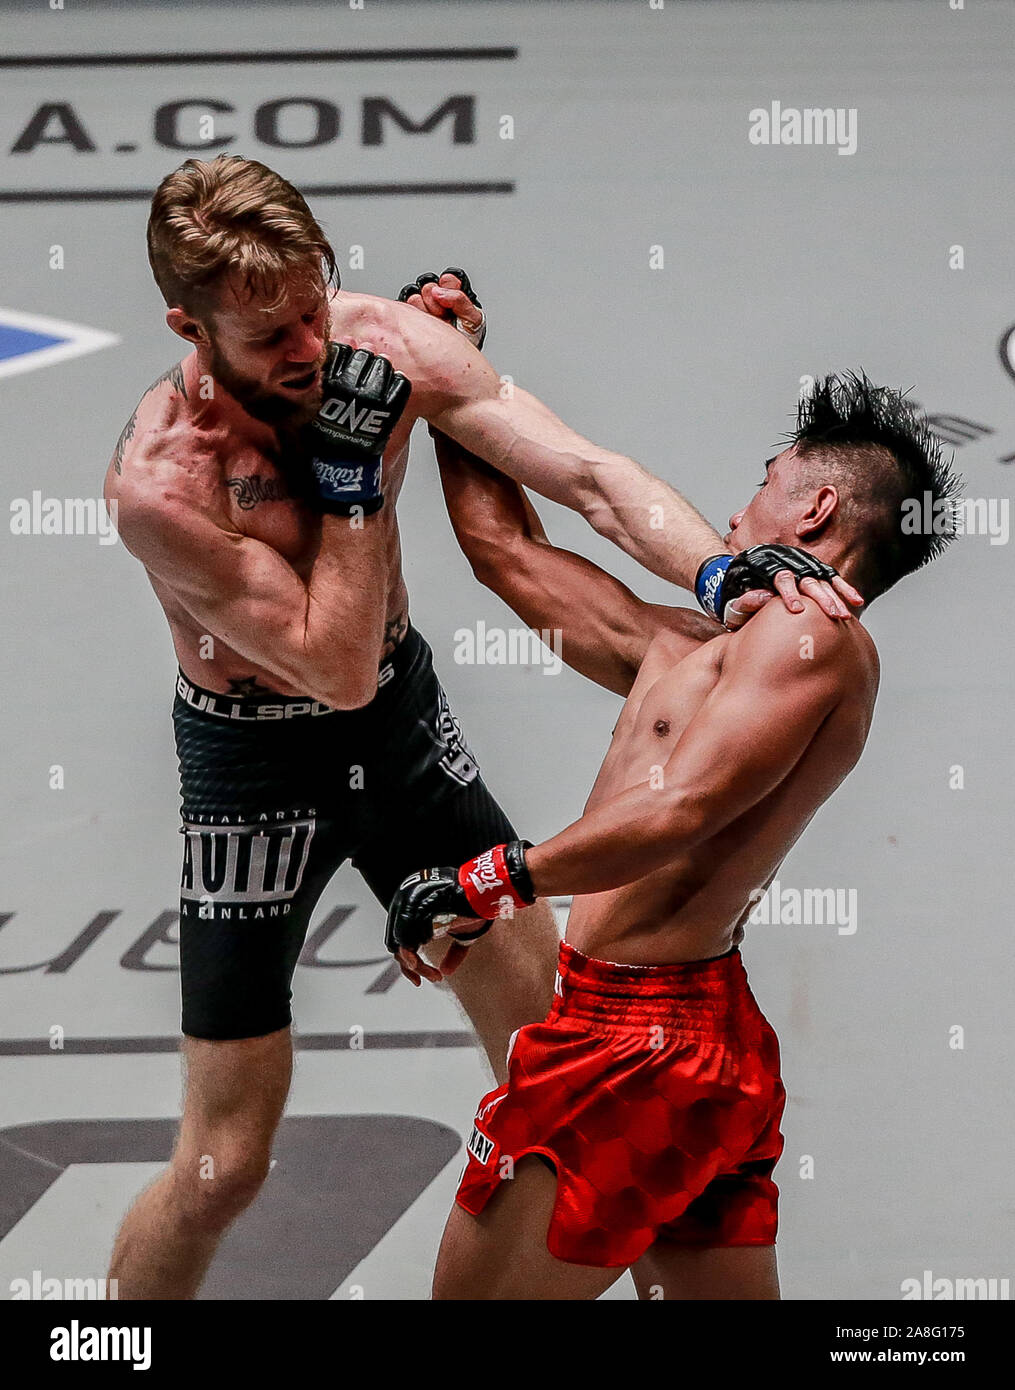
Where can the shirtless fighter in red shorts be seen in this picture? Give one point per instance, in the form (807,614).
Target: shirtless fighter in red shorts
(651,1092)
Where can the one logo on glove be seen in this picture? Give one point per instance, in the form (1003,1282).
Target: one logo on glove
(343,412)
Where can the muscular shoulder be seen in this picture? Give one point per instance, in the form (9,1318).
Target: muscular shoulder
(805,647)
(164,462)
(158,426)
(390,327)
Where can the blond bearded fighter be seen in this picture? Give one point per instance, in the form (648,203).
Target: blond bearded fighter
(257,482)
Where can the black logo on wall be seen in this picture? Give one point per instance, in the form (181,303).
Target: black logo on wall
(960,430)
(307,120)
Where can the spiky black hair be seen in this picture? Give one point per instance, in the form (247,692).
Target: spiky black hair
(892,456)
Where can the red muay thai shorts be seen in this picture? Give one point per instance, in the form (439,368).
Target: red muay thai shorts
(655,1094)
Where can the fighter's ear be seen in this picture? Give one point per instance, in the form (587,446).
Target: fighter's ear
(186,326)
(823,508)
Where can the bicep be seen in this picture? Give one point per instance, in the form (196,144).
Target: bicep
(596,623)
(239,589)
(606,629)
(602,628)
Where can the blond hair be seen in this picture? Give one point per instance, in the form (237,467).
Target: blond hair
(230,214)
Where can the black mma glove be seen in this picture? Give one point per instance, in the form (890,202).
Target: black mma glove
(723,578)
(362,401)
(489,886)
(476,336)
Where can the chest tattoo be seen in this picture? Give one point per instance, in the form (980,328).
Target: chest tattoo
(252,489)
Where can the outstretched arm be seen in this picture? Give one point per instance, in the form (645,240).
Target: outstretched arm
(605,628)
(457,391)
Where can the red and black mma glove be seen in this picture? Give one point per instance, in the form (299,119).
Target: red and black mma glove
(362,399)
(723,578)
(475,336)
(495,881)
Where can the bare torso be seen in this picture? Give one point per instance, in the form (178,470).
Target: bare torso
(233,471)
(696,906)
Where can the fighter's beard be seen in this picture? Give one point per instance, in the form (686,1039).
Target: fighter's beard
(270,407)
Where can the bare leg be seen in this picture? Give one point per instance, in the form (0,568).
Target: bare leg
(720,1272)
(235,1094)
(502,1254)
(506,980)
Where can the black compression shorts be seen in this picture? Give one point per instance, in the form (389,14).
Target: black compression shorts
(277,793)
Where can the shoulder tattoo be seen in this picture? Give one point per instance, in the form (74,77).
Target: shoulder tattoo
(175,378)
